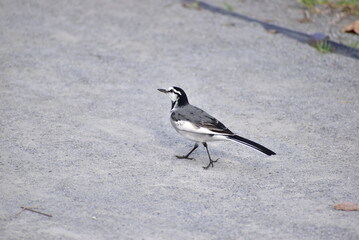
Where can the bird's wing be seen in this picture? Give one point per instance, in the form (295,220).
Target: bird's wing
(217,127)
(193,119)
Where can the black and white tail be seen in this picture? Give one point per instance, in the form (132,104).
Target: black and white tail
(252,144)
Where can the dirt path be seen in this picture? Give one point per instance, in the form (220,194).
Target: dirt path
(85,135)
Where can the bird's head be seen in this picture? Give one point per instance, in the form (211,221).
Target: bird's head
(177,96)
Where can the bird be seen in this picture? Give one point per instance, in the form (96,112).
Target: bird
(197,125)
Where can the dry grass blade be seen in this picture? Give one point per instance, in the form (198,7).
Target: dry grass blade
(35,211)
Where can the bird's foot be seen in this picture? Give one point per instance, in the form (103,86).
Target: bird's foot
(184,157)
(210,163)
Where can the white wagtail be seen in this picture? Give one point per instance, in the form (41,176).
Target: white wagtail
(195,124)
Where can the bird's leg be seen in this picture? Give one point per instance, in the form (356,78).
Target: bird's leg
(209,156)
(187,156)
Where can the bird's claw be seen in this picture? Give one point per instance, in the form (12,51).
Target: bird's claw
(184,157)
(210,163)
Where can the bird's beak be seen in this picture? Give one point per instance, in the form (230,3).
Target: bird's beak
(162,90)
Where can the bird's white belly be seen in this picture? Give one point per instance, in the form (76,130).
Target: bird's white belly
(197,137)
(191,134)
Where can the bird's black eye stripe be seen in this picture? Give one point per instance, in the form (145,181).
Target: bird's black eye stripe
(172,91)
(178,93)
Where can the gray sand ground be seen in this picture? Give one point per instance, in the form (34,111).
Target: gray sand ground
(85,135)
